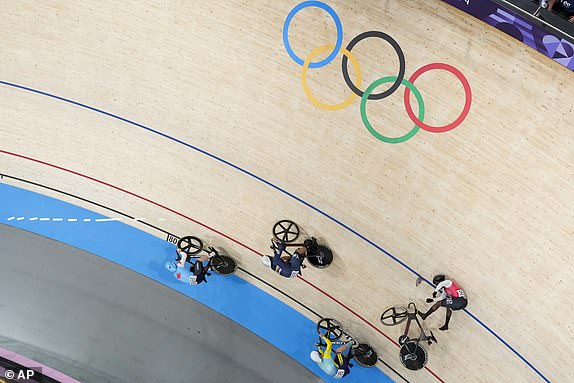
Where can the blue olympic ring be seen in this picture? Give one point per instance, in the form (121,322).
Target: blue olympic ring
(338,24)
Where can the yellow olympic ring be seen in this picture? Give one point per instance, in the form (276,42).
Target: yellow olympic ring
(306,89)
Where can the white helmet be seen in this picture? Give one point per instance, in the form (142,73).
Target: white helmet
(315,356)
(266,261)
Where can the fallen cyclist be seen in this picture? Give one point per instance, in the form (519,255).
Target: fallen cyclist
(288,266)
(195,274)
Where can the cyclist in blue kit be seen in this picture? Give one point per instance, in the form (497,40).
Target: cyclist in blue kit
(195,274)
(285,265)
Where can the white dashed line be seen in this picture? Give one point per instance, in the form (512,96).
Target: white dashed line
(59,219)
(108,219)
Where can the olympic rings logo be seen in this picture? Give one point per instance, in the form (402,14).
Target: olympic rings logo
(368,94)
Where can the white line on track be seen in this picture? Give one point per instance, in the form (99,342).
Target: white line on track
(60,219)
(108,219)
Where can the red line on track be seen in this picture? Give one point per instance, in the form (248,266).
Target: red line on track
(212,229)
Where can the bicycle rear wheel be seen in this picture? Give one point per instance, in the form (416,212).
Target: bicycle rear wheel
(223,265)
(322,258)
(413,356)
(365,355)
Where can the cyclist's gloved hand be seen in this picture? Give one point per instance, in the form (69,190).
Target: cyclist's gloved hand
(430,300)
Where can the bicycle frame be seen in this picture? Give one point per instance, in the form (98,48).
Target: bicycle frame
(412,315)
(221,264)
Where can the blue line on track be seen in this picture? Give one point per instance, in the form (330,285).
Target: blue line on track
(282,191)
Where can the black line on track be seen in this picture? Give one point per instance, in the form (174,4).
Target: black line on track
(2,175)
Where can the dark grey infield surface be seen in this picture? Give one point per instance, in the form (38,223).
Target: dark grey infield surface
(99,322)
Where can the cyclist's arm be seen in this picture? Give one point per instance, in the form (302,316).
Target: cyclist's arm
(327,352)
(183,255)
(440,290)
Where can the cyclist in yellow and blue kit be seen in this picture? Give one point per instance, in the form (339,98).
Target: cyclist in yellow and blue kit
(336,366)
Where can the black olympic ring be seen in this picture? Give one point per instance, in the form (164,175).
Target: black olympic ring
(402,64)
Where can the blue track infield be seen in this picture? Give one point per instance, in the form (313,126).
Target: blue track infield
(144,253)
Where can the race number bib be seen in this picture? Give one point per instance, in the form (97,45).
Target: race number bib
(460,293)
(193,280)
(339,374)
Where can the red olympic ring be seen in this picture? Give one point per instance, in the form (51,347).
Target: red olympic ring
(467,102)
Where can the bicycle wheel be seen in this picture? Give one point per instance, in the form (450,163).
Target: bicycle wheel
(223,265)
(322,258)
(365,355)
(286,231)
(394,315)
(330,328)
(413,356)
(190,245)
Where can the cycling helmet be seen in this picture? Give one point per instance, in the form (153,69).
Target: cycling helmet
(266,260)
(315,356)
(438,279)
(171,266)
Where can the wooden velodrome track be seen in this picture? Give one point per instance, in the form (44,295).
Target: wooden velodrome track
(489,202)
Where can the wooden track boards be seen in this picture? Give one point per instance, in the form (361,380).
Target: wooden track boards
(489,203)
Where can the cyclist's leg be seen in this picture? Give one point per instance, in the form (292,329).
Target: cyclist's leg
(279,246)
(448,315)
(458,303)
(295,262)
(344,349)
(342,360)
(433,308)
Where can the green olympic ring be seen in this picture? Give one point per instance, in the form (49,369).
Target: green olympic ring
(379,136)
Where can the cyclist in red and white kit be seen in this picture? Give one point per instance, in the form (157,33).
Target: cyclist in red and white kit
(446,294)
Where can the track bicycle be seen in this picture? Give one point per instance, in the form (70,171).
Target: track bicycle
(286,231)
(413,356)
(193,247)
(362,353)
